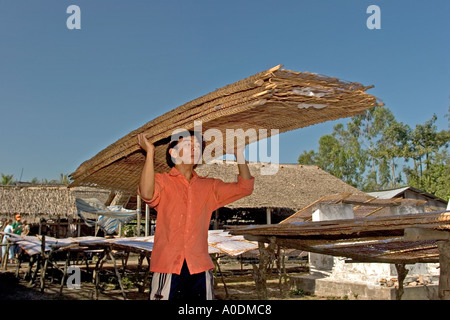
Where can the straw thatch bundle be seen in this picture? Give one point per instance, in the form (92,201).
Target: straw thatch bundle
(273,99)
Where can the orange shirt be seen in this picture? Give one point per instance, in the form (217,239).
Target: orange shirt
(184,212)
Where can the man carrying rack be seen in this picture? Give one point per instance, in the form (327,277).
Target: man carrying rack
(184,202)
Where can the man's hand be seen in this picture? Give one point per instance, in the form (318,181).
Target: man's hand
(145,144)
(239,154)
(244,171)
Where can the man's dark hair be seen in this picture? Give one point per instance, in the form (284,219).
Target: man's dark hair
(174,143)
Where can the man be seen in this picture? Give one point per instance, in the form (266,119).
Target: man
(184,203)
(17,229)
(17,225)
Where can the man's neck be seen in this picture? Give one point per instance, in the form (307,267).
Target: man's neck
(186,170)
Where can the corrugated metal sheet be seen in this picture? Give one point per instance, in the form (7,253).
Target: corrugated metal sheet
(388,194)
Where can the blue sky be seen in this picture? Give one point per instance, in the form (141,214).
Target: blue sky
(67,94)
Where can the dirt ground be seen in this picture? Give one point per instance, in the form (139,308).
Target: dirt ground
(239,284)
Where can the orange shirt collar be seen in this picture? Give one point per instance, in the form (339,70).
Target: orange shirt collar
(175,172)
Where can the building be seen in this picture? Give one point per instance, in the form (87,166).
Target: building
(433,203)
(52,204)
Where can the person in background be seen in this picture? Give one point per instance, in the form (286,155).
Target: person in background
(8,229)
(25,228)
(17,229)
(17,225)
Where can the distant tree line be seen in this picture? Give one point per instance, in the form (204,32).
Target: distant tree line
(374,151)
(8,180)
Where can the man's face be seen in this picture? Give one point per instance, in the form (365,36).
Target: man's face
(187,151)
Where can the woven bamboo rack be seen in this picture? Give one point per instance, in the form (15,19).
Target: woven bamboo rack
(274,99)
(345,227)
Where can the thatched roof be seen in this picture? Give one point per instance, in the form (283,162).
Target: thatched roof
(293,186)
(48,202)
(274,99)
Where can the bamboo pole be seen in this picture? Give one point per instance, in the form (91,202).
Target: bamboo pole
(119,279)
(138,216)
(147,217)
(269,215)
(66,267)
(44,265)
(216,262)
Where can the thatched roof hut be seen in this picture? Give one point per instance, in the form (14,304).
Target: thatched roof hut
(44,201)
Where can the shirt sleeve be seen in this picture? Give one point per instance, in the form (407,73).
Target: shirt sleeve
(228,192)
(154,201)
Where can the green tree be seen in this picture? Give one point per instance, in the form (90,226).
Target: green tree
(373,152)
(307,157)
(384,139)
(339,154)
(391,147)
(7,179)
(428,150)
(64,179)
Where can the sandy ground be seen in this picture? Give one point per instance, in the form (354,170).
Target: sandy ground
(238,280)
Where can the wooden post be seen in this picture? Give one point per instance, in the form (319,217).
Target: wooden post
(269,215)
(30,267)
(44,264)
(96,275)
(147,217)
(401,274)
(442,237)
(260,272)
(216,262)
(444,276)
(119,279)
(34,274)
(66,267)
(216,219)
(58,227)
(138,216)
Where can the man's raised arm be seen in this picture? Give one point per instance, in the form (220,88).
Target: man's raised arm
(147,180)
(244,171)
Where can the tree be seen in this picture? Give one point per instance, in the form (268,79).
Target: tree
(373,152)
(339,154)
(7,179)
(64,179)
(384,139)
(392,146)
(307,157)
(428,150)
